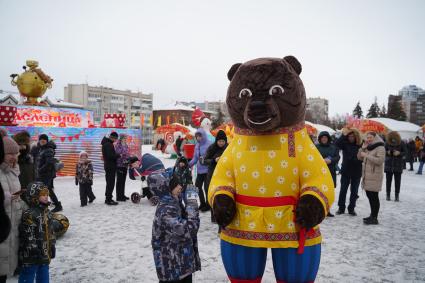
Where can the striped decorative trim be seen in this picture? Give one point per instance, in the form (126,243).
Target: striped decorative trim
(317,191)
(291,144)
(223,188)
(271,237)
(283,130)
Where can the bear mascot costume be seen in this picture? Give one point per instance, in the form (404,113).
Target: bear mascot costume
(271,187)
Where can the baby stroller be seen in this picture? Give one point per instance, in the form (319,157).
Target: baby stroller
(150,165)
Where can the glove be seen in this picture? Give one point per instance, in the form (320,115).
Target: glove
(224,209)
(76,181)
(309,212)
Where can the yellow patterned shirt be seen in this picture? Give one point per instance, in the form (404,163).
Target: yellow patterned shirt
(262,172)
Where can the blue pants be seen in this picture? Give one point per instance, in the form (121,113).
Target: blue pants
(38,271)
(245,264)
(354,190)
(421,166)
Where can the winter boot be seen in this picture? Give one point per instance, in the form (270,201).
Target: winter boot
(396,198)
(352,212)
(58,207)
(367,218)
(388,197)
(340,211)
(371,221)
(111,202)
(330,214)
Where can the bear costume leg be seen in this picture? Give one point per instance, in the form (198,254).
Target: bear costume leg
(289,266)
(246,264)
(243,264)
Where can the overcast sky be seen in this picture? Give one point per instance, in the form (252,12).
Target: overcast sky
(182,50)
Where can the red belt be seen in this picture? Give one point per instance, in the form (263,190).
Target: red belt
(276,201)
(265,201)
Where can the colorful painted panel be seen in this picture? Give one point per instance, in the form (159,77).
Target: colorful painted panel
(70,141)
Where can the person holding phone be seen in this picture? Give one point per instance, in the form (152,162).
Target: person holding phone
(202,144)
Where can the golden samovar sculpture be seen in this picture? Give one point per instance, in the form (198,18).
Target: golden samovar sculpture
(32,83)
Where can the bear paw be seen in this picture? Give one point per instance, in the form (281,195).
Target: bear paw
(309,212)
(224,210)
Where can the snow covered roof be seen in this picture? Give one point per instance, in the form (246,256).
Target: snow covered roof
(60,103)
(175,106)
(394,125)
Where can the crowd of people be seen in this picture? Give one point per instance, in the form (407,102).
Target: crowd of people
(27,176)
(28,227)
(364,162)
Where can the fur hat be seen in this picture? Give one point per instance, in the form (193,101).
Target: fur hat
(22,138)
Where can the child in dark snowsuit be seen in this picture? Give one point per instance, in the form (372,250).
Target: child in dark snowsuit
(174,231)
(37,236)
(84,178)
(182,172)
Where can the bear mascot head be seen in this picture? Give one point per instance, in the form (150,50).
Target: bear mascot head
(271,187)
(265,94)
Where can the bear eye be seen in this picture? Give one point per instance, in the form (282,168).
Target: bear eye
(245,92)
(276,89)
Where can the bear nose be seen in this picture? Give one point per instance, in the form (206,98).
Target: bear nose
(257,103)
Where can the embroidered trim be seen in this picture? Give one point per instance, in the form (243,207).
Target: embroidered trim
(271,237)
(283,130)
(223,188)
(291,144)
(317,191)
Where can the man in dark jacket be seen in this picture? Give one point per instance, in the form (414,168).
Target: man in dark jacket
(351,170)
(330,154)
(110,165)
(44,154)
(25,160)
(410,153)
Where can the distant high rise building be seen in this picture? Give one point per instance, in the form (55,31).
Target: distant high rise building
(412,99)
(136,105)
(317,110)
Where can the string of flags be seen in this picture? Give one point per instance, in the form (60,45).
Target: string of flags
(69,138)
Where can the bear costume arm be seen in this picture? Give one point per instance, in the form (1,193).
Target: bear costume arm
(315,178)
(223,179)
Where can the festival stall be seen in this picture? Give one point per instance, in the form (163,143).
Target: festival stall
(384,125)
(315,129)
(71,129)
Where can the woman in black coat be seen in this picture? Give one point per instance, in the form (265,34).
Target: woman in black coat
(212,156)
(394,163)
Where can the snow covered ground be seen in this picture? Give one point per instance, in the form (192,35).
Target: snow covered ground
(112,243)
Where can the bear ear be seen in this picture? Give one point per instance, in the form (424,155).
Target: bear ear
(296,65)
(233,70)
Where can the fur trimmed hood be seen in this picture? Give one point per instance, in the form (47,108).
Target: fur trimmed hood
(357,135)
(393,138)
